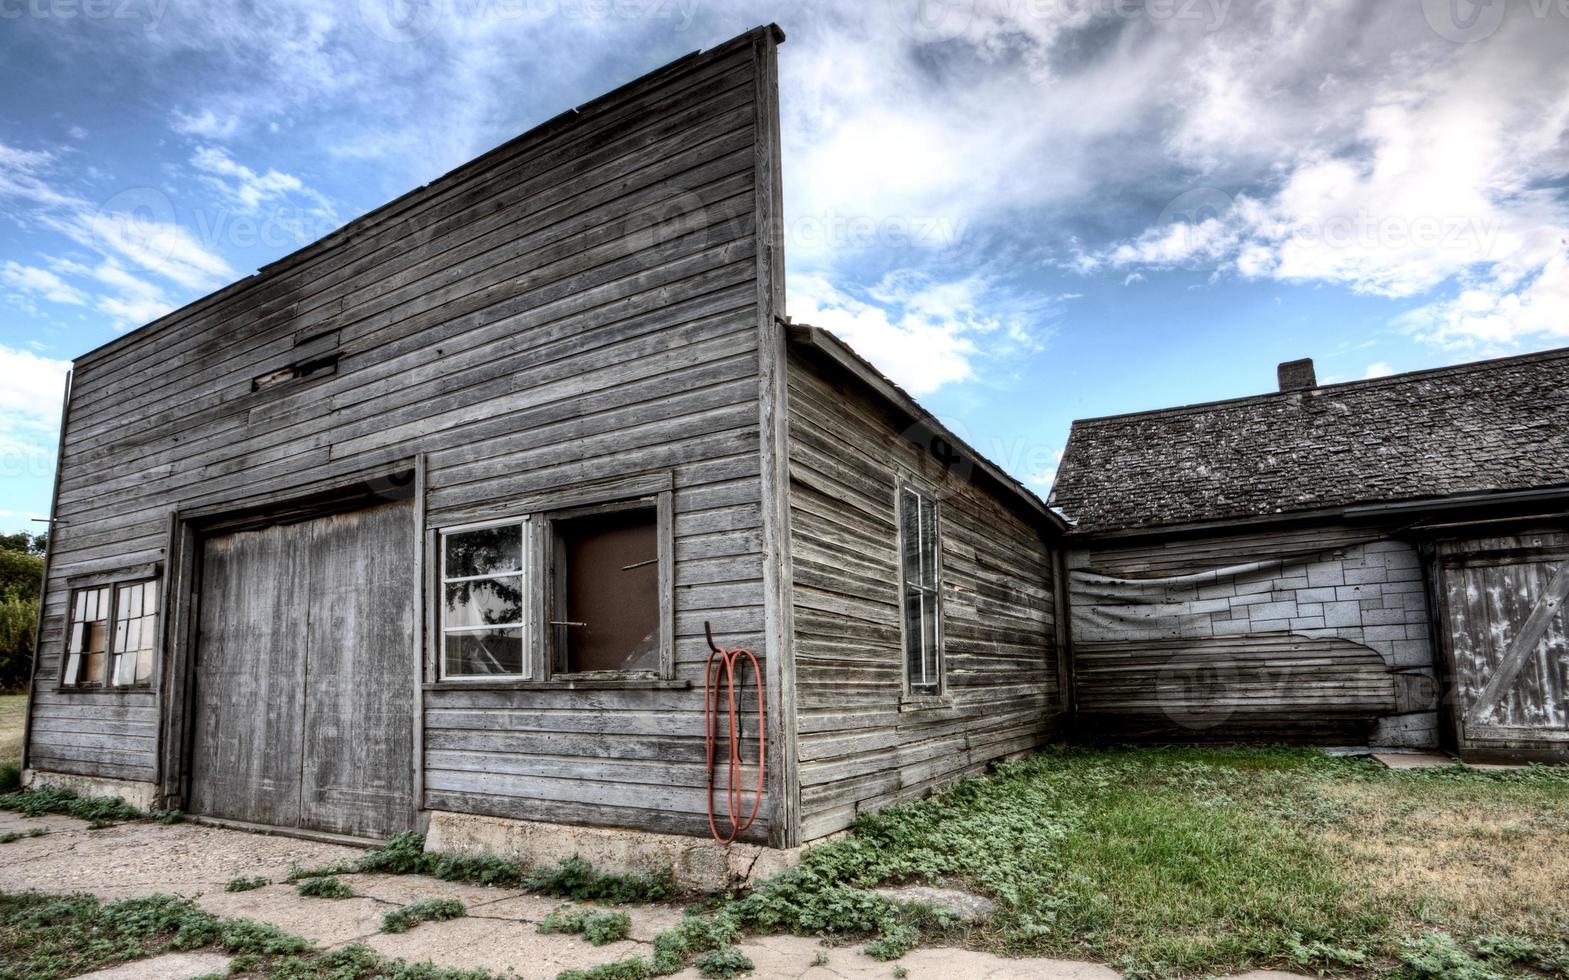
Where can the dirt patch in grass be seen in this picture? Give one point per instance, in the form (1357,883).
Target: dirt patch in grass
(1472,862)
(13,710)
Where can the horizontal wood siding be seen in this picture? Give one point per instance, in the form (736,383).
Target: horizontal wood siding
(857,749)
(1317,634)
(577,306)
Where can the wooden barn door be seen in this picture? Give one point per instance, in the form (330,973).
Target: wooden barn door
(1508,640)
(302,710)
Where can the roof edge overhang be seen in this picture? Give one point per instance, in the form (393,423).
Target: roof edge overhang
(844,357)
(1488,506)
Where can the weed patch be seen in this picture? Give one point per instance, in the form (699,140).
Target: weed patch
(43,938)
(628,969)
(722,964)
(325,887)
(13,836)
(597,926)
(429,910)
(100,810)
(240,883)
(572,878)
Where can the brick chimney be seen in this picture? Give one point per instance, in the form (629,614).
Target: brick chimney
(1297,375)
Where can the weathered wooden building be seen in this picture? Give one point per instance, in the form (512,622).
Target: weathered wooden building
(1379,562)
(424,522)
(422,527)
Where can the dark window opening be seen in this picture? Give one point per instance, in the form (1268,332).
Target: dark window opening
(605,614)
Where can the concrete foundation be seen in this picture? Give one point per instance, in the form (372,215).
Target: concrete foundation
(699,864)
(141,795)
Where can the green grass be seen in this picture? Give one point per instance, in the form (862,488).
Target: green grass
(44,937)
(13,712)
(1192,862)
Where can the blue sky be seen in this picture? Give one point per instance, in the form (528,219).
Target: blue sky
(1025,211)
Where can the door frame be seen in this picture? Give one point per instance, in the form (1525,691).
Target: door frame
(189,529)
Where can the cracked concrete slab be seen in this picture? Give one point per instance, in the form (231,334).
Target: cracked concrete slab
(170,966)
(324,921)
(405,889)
(1415,760)
(968,906)
(501,945)
(500,933)
(143,858)
(796,958)
(16,823)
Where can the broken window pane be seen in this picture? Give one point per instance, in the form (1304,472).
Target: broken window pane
(484,653)
(606,613)
(88,632)
(135,632)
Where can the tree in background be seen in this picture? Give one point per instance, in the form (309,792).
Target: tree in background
(21,575)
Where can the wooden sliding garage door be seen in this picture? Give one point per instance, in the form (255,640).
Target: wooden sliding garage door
(302,712)
(1507,638)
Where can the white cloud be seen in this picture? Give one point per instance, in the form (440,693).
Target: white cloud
(134,301)
(1426,165)
(1500,313)
(40,282)
(159,246)
(924,332)
(135,226)
(23,176)
(920,353)
(240,183)
(1044,478)
(204,124)
(1378,369)
(31,388)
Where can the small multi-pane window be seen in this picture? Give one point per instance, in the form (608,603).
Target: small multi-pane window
(920,551)
(483,630)
(112,635)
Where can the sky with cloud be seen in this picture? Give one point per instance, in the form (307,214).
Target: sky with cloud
(1024,211)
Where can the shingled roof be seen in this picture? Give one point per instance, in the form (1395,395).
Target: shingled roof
(1490,426)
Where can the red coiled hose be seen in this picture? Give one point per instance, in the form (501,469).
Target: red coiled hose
(722,666)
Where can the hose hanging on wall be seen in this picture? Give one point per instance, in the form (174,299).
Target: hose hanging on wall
(722,668)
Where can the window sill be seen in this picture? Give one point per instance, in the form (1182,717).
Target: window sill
(563,684)
(104,689)
(925,702)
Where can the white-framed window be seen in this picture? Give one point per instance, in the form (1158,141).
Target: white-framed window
(485,606)
(112,635)
(920,560)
